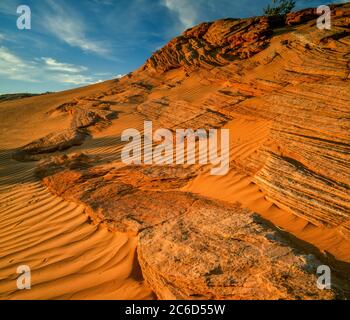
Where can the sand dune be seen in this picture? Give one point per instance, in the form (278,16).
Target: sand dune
(70,258)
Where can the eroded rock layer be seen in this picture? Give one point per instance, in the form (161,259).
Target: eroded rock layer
(300,84)
(282,88)
(86,116)
(215,251)
(213,44)
(191,247)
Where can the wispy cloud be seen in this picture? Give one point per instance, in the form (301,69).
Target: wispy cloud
(53,65)
(14,68)
(42,70)
(76,79)
(185,11)
(103,29)
(69,27)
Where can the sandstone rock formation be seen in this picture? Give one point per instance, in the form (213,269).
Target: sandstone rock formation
(219,252)
(194,248)
(283,90)
(57,141)
(303,165)
(85,114)
(213,44)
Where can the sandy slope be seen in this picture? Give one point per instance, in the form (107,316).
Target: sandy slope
(69,257)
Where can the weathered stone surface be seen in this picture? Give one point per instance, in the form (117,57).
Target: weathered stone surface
(57,141)
(295,18)
(301,85)
(86,114)
(306,15)
(215,251)
(213,44)
(191,247)
(128,199)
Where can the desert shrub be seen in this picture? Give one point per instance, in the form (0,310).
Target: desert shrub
(279,7)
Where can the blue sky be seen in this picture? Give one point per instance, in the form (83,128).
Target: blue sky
(74,43)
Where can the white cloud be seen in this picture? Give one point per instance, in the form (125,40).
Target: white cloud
(42,70)
(185,11)
(70,28)
(76,79)
(14,68)
(52,64)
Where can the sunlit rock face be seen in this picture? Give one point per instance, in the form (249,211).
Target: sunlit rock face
(282,87)
(298,80)
(213,44)
(215,251)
